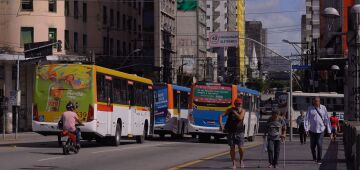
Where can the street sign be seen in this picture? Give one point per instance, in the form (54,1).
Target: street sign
(223,39)
(300,67)
(41,52)
(14,98)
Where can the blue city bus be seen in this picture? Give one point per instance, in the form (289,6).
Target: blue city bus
(171,108)
(209,100)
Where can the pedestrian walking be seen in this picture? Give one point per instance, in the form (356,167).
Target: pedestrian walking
(275,133)
(235,129)
(301,128)
(334,126)
(316,122)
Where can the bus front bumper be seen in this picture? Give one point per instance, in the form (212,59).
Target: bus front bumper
(194,129)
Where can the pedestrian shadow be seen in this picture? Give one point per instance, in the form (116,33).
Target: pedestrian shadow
(330,159)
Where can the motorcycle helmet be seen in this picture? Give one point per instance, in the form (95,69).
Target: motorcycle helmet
(70,106)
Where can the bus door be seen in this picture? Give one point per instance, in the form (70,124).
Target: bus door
(132,108)
(106,107)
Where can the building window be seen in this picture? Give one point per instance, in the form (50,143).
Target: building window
(111,46)
(75,42)
(208,28)
(135,25)
(52,35)
(104,15)
(124,48)
(129,23)
(208,16)
(84,12)
(111,17)
(129,51)
(124,22)
(105,48)
(118,20)
(76,9)
(67,8)
(208,6)
(118,51)
(52,5)
(26,35)
(139,9)
(67,40)
(84,43)
(27,5)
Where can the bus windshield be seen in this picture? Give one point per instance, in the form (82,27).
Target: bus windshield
(205,95)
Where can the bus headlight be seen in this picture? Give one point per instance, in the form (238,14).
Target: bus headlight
(191,118)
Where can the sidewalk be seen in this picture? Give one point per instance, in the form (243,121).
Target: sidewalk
(298,157)
(23,137)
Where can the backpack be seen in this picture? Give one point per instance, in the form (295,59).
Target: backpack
(232,122)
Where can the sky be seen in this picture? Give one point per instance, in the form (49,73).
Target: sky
(281,17)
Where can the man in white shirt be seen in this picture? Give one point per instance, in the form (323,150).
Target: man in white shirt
(316,121)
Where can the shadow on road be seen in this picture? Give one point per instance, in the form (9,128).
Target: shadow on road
(54,144)
(43,167)
(331,157)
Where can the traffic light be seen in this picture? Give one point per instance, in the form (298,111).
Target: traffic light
(59,46)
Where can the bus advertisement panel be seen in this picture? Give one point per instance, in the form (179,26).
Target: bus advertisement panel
(56,85)
(161,105)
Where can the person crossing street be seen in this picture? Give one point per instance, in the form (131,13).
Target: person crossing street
(235,128)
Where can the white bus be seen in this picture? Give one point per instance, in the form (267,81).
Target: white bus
(334,102)
(111,104)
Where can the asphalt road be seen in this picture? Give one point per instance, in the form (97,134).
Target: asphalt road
(153,154)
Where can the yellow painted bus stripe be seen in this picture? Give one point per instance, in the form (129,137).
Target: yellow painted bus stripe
(187,164)
(213,108)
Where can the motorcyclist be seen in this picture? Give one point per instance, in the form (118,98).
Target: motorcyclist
(69,120)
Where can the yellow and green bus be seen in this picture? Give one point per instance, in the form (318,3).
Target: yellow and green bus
(110,103)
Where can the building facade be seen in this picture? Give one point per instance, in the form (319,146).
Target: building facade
(191,40)
(254,30)
(326,43)
(165,38)
(108,29)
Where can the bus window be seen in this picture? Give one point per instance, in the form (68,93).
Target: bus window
(104,88)
(184,100)
(131,94)
(246,102)
(308,100)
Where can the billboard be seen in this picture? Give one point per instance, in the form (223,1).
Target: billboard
(223,39)
(186,5)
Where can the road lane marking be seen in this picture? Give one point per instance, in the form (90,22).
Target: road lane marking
(187,164)
(143,146)
(46,159)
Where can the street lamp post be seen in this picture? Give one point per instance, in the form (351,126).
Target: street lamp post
(135,51)
(291,84)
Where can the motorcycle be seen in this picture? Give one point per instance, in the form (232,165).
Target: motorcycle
(68,142)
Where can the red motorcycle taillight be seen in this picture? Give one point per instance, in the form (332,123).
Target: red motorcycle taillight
(35,113)
(64,133)
(90,116)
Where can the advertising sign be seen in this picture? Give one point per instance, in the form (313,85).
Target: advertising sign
(186,5)
(224,39)
(161,105)
(212,94)
(57,84)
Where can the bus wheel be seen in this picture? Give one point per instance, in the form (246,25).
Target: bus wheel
(116,138)
(193,136)
(162,135)
(204,138)
(140,139)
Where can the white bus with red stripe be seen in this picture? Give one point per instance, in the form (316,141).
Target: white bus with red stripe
(111,104)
